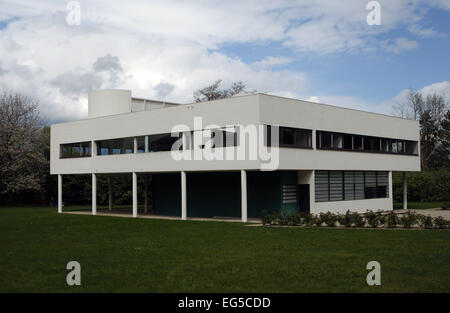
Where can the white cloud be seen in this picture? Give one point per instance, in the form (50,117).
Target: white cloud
(58,64)
(441,88)
(350,102)
(168,49)
(401,44)
(271,61)
(425,32)
(384,107)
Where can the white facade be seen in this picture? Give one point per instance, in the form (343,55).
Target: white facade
(115,114)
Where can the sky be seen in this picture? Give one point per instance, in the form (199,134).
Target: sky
(324,51)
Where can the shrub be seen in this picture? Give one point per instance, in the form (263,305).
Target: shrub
(372,219)
(381,218)
(275,218)
(295,218)
(358,220)
(269,218)
(329,219)
(266,217)
(409,219)
(307,219)
(283,219)
(439,222)
(346,219)
(446,206)
(425,221)
(391,220)
(317,220)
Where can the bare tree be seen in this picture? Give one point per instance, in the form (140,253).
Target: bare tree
(434,129)
(416,104)
(213,91)
(236,89)
(21,159)
(413,106)
(432,113)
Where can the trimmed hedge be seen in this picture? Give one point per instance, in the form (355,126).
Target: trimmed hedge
(353,219)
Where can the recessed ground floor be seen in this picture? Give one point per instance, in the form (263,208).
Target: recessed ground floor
(245,194)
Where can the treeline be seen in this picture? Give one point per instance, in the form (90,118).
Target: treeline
(25,162)
(433,182)
(426,186)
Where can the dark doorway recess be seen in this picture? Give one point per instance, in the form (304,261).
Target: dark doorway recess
(303,197)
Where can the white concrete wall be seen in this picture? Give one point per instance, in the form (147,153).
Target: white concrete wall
(302,114)
(221,112)
(298,113)
(341,207)
(245,110)
(360,206)
(108,102)
(304,159)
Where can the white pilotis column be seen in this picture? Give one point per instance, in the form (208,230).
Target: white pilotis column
(405,192)
(110,193)
(94,194)
(244,196)
(59,193)
(134,194)
(183,196)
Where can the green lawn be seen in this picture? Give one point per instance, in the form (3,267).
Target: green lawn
(149,255)
(420,205)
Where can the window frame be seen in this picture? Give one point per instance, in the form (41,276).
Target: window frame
(378,191)
(297,133)
(81,151)
(367,141)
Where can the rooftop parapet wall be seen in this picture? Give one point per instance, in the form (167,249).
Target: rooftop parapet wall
(119,101)
(108,102)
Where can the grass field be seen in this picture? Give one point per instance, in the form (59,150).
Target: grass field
(148,255)
(420,205)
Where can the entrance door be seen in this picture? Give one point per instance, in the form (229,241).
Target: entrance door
(303,197)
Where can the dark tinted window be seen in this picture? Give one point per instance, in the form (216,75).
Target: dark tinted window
(76,150)
(348,141)
(326,140)
(115,146)
(287,136)
(342,141)
(358,142)
(292,137)
(161,142)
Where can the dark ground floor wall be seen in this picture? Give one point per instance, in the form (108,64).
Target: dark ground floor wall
(218,194)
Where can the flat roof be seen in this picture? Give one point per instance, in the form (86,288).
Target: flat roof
(235,97)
